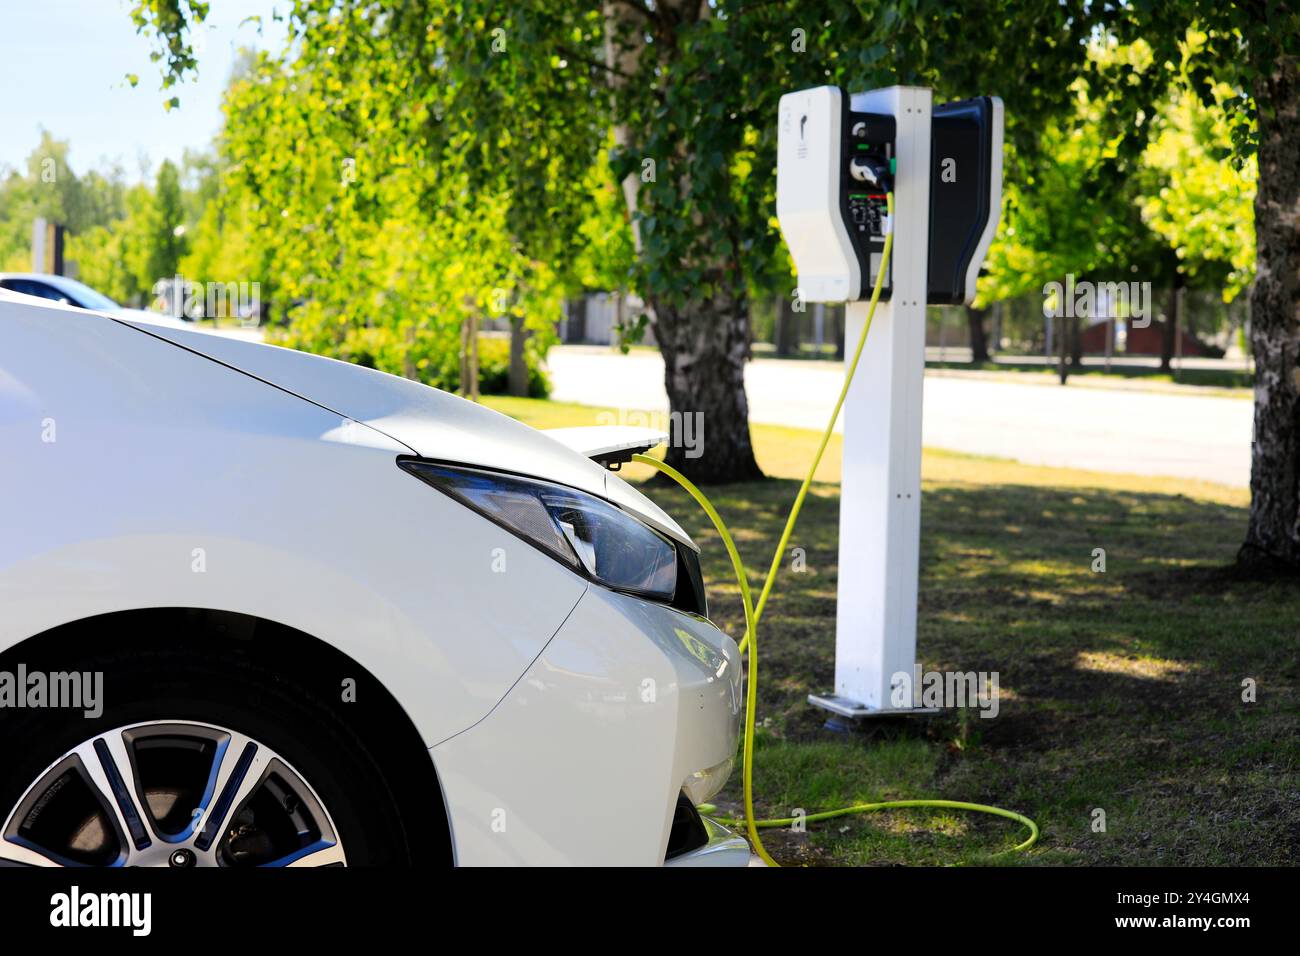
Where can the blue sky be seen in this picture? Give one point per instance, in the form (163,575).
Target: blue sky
(63,66)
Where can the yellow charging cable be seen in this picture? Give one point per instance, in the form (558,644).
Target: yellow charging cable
(752,614)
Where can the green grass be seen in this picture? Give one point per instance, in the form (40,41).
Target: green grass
(1120,690)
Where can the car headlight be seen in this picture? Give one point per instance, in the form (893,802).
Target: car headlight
(586,533)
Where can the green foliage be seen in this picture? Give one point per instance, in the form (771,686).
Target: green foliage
(1201,205)
(166,21)
(1068,209)
(106,254)
(470,122)
(523,98)
(605,258)
(160,255)
(374,238)
(49,188)
(517,103)
(121,237)
(143,242)
(423,351)
(1076,205)
(494,370)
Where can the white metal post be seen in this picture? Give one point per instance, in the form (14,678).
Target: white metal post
(40,249)
(880,496)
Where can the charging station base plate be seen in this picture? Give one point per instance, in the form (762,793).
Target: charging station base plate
(856,710)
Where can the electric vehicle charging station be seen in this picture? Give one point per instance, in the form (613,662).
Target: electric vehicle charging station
(838,158)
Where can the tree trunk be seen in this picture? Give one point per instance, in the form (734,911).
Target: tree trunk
(576,330)
(1273,535)
(622,62)
(1173,319)
(469,353)
(787,327)
(979,343)
(704,342)
(464,357)
(518,362)
(408,356)
(705,345)
(1063,341)
(473,356)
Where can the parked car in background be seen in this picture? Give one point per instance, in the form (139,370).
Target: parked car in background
(78,294)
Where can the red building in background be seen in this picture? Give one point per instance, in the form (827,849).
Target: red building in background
(1144,341)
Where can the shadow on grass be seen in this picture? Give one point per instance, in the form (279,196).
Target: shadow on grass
(1121,690)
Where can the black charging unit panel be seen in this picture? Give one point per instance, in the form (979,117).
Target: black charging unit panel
(866,177)
(965,185)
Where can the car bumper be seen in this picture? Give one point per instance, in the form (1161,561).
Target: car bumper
(585,759)
(722,848)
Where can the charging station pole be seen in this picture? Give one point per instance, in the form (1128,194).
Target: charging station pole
(838,155)
(880,499)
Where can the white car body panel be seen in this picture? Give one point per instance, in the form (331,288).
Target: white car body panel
(246,472)
(430,423)
(139,474)
(626,697)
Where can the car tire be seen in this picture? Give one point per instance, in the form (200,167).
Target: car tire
(229,690)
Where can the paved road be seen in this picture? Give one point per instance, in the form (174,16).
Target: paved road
(1119,430)
(1122,360)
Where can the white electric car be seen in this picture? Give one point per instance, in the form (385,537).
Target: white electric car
(263,608)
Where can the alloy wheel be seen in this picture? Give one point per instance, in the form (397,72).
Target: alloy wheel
(173,793)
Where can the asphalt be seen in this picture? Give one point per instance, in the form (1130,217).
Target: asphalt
(1123,429)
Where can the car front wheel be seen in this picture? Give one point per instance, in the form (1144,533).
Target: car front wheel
(211,762)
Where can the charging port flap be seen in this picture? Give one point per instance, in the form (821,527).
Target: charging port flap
(610,445)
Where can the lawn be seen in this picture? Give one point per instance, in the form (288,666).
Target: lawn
(1120,691)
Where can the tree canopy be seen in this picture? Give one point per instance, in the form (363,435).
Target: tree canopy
(471,122)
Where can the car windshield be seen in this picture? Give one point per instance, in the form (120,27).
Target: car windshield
(85,295)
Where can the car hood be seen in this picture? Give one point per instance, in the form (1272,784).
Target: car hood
(432,423)
(148,317)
